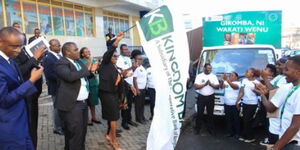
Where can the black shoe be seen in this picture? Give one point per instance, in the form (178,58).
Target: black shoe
(59,132)
(196,131)
(142,122)
(229,135)
(119,131)
(236,137)
(96,121)
(118,135)
(132,123)
(90,124)
(125,126)
(212,132)
(151,118)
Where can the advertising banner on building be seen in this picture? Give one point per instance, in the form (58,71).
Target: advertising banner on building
(248,27)
(165,43)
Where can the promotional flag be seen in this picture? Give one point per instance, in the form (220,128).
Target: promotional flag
(164,40)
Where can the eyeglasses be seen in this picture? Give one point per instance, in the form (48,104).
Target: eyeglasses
(16,46)
(55,45)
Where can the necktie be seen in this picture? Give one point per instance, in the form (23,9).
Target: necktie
(12,64)
(59,56)
(78,67)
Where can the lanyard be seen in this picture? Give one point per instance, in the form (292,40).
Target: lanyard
(276,82)
(78,67)
(288,96)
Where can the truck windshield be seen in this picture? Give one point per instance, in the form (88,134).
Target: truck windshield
(237,60)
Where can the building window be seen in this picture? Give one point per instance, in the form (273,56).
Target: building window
(30,17)
(13,12)
(45,19)
(89,23)
(118,22)
(58,23)
(79,23)
(53,17)
(1,16)
(69,19)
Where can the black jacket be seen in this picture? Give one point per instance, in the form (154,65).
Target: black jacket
(68,83)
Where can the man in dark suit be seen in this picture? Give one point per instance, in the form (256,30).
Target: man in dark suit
(49,63)
(109,38)
(72,94)
(17,26)
(26,64)
(37,34)
(13,113)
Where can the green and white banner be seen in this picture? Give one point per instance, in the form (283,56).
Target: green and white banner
(165,43)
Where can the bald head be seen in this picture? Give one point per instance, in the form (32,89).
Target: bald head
(70,50)
(11,41)
(8,31)
(54,45)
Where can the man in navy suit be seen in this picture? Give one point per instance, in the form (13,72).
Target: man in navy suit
(13,113)
(37,34)
(51,80)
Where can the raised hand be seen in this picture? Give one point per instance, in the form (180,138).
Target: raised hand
(39,52)
(36,74)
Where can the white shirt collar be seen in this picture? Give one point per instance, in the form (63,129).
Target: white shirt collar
(4,56)
(71,60)
(55,54)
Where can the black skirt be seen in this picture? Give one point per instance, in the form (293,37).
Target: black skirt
(110,105)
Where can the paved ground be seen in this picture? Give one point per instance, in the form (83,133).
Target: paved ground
(135,138)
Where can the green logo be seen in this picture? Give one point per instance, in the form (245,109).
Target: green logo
(156,23)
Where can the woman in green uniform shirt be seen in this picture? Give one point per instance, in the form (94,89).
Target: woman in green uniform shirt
(85,57)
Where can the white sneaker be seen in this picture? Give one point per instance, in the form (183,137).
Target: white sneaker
(266,142)
(249,140)
(241,139)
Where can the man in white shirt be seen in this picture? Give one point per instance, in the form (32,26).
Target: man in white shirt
(124,62)
(139,81)
(287,97)
(274,84)
(205,85)
(72,94)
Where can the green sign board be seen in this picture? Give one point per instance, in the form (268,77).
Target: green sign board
(249,27)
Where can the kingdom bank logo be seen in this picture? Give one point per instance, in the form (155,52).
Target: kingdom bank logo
(156,23)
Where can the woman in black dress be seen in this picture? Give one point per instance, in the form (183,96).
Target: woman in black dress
(110,90)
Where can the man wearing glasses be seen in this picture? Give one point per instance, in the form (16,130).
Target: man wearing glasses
(14,89)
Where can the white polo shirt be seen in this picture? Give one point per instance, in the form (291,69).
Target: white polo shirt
(231,95)
(249,98)
(274,126)
(201,79)
(124,62)
(150,82)
(83,92)
(140,74)
(292,107)
(279,80)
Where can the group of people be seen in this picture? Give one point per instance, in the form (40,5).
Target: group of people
(274,90)
(75,82)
